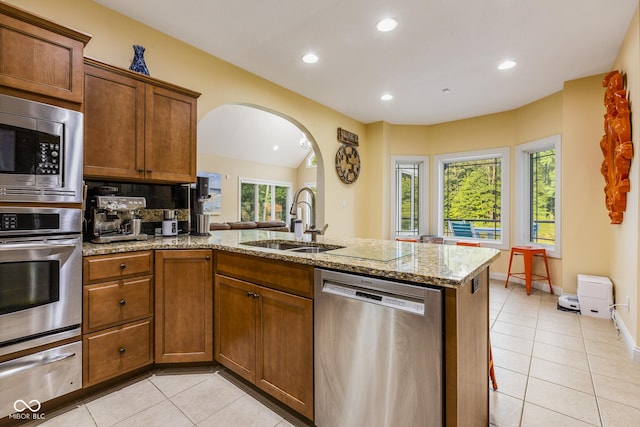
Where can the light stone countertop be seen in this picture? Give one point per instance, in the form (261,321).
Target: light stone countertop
(419,263)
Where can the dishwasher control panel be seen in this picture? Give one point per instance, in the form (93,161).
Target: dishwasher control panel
(366,295)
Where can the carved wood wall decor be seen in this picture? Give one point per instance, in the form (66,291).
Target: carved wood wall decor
(616,146)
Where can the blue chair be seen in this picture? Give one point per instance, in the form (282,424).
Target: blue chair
(461,229)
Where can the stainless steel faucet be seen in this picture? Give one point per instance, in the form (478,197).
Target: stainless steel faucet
(312,226)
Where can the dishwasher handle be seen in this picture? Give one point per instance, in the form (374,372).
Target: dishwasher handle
(396,302)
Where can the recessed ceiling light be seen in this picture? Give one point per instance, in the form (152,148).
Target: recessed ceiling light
(446,90)
(310,58)
(386,24)
(507,65)
(276,147)
(386,97)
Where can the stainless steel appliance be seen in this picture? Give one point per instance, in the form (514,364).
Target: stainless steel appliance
(40,303)
(40,276)
(41,152)
(114,218)
(29,381)
(199,218)
(378,352)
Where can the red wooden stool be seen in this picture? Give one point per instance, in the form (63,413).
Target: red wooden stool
(492,373)
(528,253)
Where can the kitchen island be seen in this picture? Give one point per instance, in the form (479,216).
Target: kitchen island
(461,272)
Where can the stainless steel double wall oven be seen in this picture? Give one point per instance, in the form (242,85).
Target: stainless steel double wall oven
(40,252)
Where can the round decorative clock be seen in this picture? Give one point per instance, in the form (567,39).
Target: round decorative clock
(348,163)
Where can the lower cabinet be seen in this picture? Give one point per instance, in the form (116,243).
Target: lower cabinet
(183,306)
(266,336)
(117,315)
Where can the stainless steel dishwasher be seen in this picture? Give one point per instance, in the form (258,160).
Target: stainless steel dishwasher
(378,352)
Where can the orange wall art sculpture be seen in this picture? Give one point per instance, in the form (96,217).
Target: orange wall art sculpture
(616,146)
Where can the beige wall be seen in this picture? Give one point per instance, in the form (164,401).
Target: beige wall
(234,169)
(624,255)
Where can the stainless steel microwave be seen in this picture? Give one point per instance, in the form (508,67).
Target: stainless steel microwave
(40,152)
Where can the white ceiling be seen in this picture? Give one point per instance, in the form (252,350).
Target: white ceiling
(242,132)
(438,44)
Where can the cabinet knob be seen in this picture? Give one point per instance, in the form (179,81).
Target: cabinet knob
(249,294)
(122,350)
(123,302)
(149,170)
(123,266)
(140,170)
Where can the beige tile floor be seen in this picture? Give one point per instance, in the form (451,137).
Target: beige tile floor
(553,368)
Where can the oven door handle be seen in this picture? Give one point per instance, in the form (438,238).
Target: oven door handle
(36,246)
(12,368)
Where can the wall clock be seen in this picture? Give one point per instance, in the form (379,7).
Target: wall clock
(348,163)
(616,146)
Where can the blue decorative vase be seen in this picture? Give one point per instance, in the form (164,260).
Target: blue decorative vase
(138,64)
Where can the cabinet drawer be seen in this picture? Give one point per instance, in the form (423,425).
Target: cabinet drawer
(115,351)
(285,276)
(110,303)
(105,267)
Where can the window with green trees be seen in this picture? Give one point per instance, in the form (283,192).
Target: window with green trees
(408,199)
(542,196)
(473,188)
(472,193)
(263,201)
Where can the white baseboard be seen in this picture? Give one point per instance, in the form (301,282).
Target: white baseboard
(535,284)
(633,349)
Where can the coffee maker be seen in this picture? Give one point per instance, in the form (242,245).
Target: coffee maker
(115,218)
(199,196)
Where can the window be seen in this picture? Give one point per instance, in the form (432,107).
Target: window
(409,207)
(311,160)
(473,196)
(264,201)
(538,195)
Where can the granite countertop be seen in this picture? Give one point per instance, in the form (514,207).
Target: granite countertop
(420,263)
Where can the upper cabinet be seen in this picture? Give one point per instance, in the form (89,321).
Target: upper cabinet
(39,59)
(137,128)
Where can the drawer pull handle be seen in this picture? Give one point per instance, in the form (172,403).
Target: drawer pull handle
(123,266)
(207,257)
(123,302)
(122,350)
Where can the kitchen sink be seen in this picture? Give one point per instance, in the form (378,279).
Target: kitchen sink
(293,246)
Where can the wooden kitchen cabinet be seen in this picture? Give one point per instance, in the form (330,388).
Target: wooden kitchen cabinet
(137,128)
(263,334)
(39,59)
(117,315)
(184,306)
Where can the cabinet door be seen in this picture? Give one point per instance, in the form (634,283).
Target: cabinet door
(44,59)
(184,306)
(285,349)
(235,322)
(170,136)
(113,125)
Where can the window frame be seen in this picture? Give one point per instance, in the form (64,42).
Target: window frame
(504,154)
(423,195)
(257,181)
(522,186)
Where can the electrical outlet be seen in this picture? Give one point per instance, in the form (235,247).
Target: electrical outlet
(628,304)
